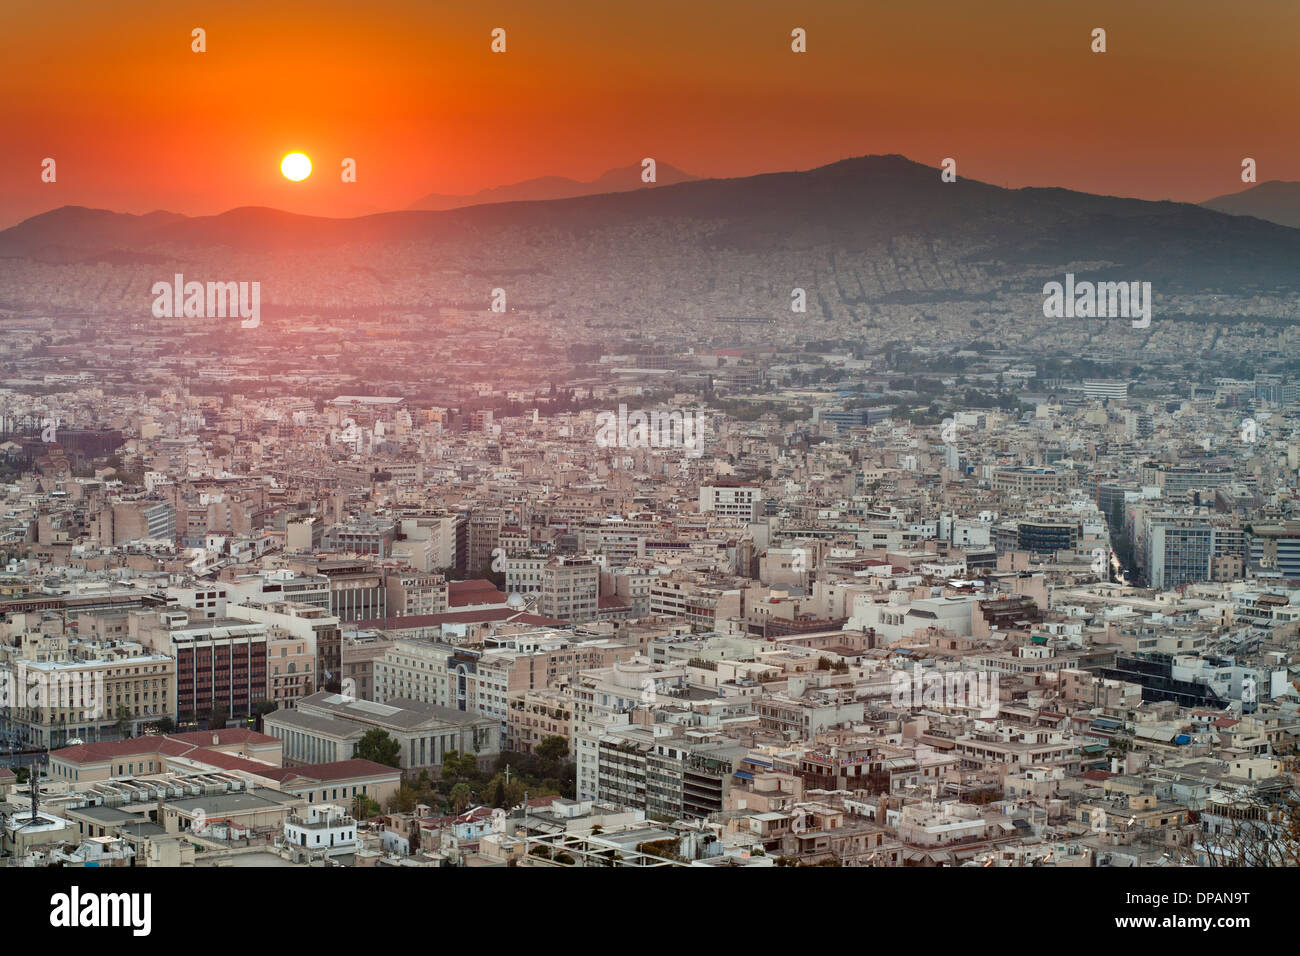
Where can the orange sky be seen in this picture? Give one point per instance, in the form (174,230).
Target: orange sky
(410,89)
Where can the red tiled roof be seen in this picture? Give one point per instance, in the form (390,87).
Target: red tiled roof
(225,761)
(172,745)
(337,770)
(114,749)
(474,591)
(226,737)
(479,616)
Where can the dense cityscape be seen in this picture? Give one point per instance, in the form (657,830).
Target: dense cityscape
(789,593)
(470,439)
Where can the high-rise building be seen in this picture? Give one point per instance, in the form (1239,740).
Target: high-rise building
(220,664)
(1179,551)
(570,588)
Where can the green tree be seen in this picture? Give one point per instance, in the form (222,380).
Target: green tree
(123,721)
(376,745)
(505,794)
(363,807)
(460,797)
(218,716)
(553,749)
(261,709)
(404,800)
(457,766)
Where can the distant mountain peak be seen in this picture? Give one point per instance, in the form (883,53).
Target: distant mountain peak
(621,179)
(1275,200)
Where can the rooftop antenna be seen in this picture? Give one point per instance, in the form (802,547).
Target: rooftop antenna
(35,781)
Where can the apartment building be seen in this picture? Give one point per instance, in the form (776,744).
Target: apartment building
(1030,482)
(1007,749)
(535,715)
(409,592)
(570,589)
(318,631)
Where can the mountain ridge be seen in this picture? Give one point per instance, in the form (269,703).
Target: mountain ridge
(854,204)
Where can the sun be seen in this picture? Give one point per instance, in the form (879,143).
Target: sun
(296,166)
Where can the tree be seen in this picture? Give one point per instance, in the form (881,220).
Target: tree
(376,745)
(404,800)
(457,766)
(553,749)
(217,718)
(261,709)
(123,721)
(1248,830)
(505,795)
(165,725)
(460,797)
(363,807)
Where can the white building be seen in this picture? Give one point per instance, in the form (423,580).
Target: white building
(736,500)
(326,828)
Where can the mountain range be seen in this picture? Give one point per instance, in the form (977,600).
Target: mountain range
(853,206)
